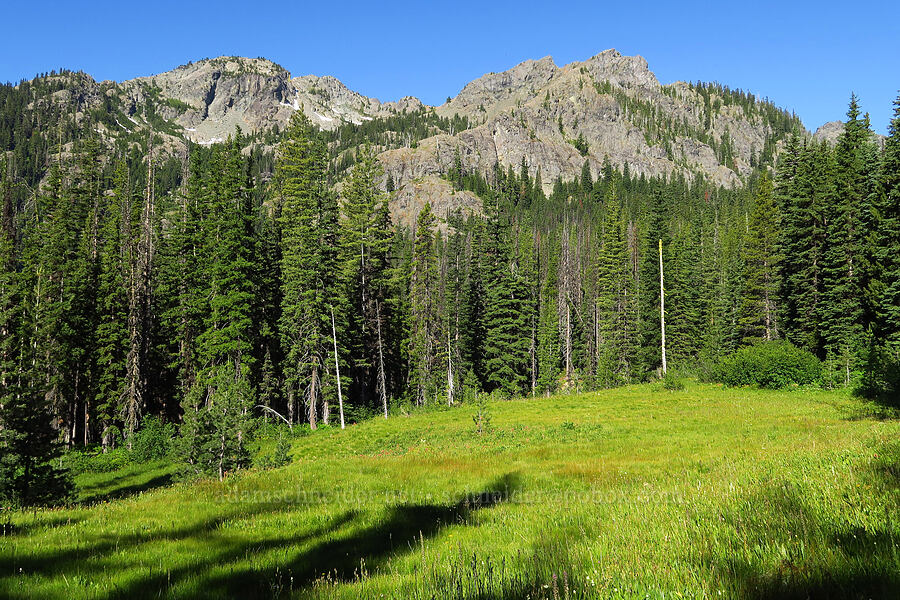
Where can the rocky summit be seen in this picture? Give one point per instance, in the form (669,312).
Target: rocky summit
(554,119)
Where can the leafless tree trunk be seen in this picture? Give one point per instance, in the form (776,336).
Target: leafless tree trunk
(662,308)
(449,372)
(382,382)
(312,396)
(337,368)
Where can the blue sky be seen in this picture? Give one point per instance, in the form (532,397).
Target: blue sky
(805,56)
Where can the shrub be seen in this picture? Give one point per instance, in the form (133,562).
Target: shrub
(153,441)
(280,457)
(95,461)
(881,374)
(770,365)
(672,383)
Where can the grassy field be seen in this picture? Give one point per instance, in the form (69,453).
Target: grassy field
(630,493)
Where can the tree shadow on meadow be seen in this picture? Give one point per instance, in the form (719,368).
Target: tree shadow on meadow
(351,557)
(823,556)
(221,570)
(123,491)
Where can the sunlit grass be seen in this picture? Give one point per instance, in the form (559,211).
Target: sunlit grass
(707,492)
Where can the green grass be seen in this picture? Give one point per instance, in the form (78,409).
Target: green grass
(635,492)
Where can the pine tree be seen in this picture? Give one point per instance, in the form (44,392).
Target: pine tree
(804,185)
(887,290)
(29,446)
(215,411)
(10,298)
(614,321)
(842,294)
(549,348)
(364,255)
(882,366)
(650,357)
(507,310)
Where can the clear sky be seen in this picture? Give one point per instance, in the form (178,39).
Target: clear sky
(805,56)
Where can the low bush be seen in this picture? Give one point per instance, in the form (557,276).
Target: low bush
(96,461)
(772,365)
(153,440)
(672,382)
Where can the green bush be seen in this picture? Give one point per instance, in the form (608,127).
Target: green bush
(881,374)
(772,365)
(281,455)
(153,441)
(80,461)
(672,382)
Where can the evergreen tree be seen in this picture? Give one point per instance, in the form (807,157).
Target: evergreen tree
(424,321)
(365,241)
(549,352)
(842,294)
(614,317)
(308,218)
(761,267)
(112,330)
(803,186)
(882,366)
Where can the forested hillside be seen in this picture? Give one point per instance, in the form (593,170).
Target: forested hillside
(210,284)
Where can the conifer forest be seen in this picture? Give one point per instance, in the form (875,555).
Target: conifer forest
(240,279)
(227,307)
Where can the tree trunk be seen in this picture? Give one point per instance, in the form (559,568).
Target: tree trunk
(662,308)
(312,397)
(449,373)
(381,376)
(337,368)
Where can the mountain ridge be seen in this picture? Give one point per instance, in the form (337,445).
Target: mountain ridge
(555,120)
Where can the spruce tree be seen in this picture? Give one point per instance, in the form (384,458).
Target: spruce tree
(112,331)
(842,261)
(882,365)
(614,317)
(365,242)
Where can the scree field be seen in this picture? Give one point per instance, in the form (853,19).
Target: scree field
(630,493)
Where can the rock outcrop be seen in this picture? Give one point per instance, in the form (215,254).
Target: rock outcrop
(608,107)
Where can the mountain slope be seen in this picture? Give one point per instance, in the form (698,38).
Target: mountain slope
(609,107)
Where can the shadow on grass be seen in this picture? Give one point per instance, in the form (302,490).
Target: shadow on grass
(340,559)
(123,491)
(821,555)
(37,524)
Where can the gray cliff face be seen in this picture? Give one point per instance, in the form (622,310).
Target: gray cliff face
(831,131)
(209,98)
(535,111)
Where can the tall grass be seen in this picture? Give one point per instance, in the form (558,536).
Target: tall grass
(629,493)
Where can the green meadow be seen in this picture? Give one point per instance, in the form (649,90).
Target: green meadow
(636,492)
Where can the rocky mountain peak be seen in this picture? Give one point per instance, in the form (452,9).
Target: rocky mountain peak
(499,90)
(624,71)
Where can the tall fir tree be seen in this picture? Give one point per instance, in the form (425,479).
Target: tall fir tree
(308,218)
(842,292)
(424,318)
(762,259)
